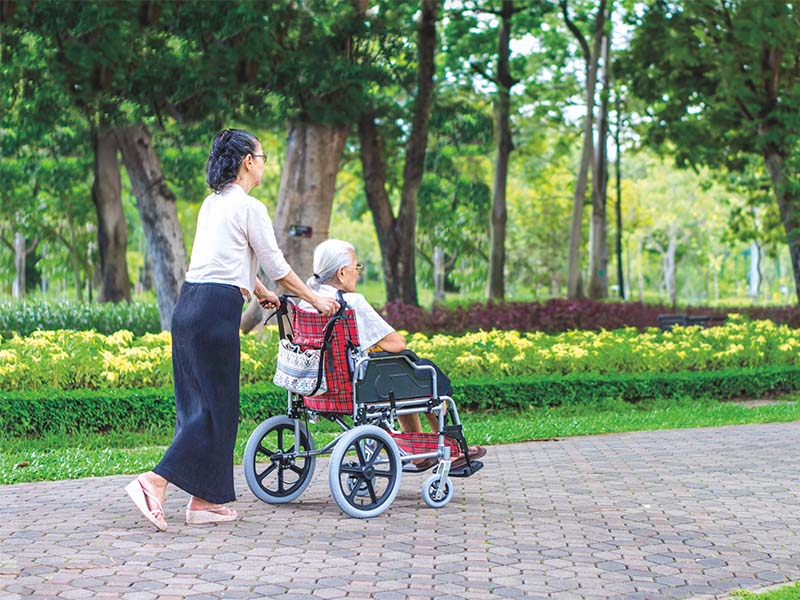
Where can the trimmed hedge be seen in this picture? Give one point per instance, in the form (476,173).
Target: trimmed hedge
(27,316)
(71,411)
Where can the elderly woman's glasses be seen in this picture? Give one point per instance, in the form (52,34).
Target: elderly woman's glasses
(358,267)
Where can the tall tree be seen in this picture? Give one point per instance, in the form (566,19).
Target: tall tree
(591,57)
(159,216)
(106,58)
(721,80)
(81,48)
(479,35)
(397,234)
(598,247)
(309,62)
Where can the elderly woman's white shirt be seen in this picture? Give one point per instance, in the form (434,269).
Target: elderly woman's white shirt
(234,235)
(372,327)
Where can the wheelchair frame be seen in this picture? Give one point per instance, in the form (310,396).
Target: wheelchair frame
(358,477)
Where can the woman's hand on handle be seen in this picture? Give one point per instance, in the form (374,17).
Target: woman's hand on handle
(265,297)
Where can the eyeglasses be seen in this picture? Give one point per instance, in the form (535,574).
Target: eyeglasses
(358,267)
(264,156)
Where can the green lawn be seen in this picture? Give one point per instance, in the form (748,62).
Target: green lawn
(73,456)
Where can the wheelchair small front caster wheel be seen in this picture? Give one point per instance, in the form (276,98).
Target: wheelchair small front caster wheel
(364,471)
(434,495)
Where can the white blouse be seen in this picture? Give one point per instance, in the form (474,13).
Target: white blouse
(372,328)
(234,235)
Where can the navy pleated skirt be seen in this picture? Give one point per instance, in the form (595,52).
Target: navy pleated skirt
(205,365)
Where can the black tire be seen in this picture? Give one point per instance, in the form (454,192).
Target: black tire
(271,470)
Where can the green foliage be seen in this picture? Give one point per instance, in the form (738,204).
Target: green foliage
(786,592)
(81,359)
(25,317)
(75,411)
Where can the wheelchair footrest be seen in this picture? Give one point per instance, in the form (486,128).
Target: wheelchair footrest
(419,443)
(467,470)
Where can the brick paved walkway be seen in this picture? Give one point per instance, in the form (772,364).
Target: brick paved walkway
(691,513)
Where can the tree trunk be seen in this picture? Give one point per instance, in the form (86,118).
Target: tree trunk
(574,285)
(397,235)
(18,285)
(789,205)
(504,146)
(618,169)
(438,274)
(75,260)
(159,215)
(598,251)
(669,265)
(754,273)
(112,230)
(305,198)
(640,273)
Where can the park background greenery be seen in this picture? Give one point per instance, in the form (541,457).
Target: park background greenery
(461,126)
(688,235)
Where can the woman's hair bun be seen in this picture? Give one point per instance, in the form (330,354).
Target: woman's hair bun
(228,149)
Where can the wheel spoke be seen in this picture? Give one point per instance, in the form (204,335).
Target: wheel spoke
(383,474)
(296,469)
(350,468)
(263,450)
(360,451)
(265,472)
(354,491)
(376,453)
(281,486)
(371,490)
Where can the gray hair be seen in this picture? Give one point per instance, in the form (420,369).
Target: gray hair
(329,257)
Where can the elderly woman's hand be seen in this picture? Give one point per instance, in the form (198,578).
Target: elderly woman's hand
(325,306)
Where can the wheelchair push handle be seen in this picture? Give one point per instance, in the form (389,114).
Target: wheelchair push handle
(283,310)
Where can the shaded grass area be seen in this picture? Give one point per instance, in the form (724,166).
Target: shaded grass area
(54,457)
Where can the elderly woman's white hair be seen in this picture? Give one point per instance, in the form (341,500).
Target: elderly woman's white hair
(329,257)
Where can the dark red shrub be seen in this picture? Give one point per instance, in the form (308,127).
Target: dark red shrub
(559,315)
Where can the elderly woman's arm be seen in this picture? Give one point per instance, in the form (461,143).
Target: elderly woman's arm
(394,342)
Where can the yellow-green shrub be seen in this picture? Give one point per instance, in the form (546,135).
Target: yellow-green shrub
(79,359)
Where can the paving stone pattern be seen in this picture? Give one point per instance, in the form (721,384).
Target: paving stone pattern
(669,514)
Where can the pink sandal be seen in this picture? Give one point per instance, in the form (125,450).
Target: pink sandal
(140,496)
(220,514)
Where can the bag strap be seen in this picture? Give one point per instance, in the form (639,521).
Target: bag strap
(328,335)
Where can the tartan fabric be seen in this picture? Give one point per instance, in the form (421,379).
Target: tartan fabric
(308,332)
(417,443)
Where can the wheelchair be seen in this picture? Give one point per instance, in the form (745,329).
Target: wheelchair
(364,396)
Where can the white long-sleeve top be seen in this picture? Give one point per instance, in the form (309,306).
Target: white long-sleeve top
(234,235)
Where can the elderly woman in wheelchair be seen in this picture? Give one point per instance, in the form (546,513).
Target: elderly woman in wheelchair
(365,393)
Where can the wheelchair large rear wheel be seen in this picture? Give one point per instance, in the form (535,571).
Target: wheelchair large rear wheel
(365,471)
(272,470)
